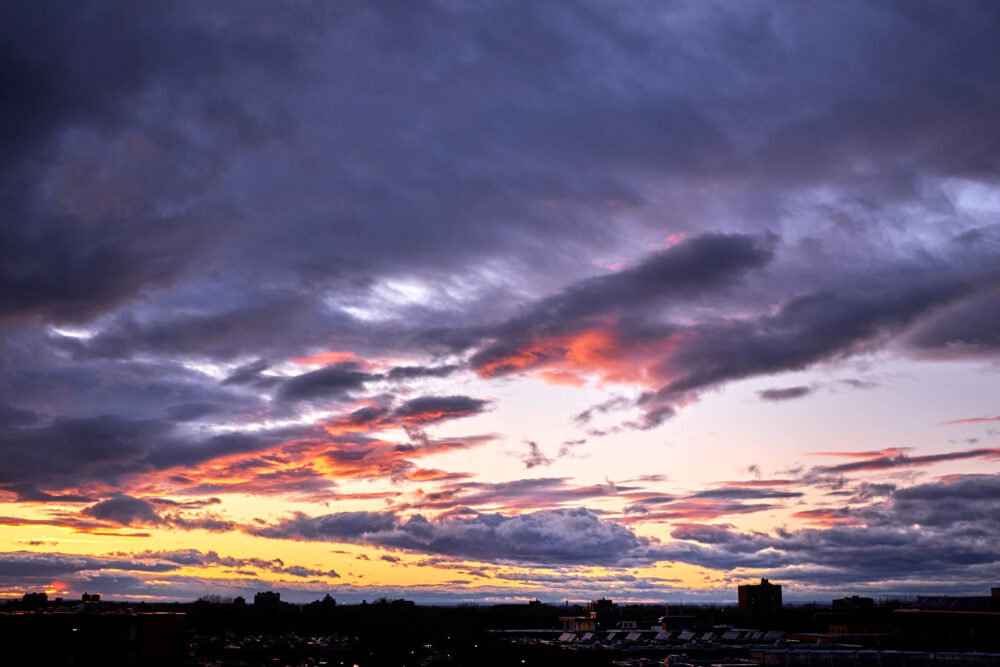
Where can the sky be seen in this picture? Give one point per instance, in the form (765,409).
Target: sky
(489,301)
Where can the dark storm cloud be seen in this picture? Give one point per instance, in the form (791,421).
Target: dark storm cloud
(676,273)
(72,275)
(784,393)
(430,409)
(863,313)
(22,568)
(335,381)
(61,453)
(412,415)
(63,64)
(251,373)
(275,323)
(196,558)
(805,330)
(414,372)
(298,159)
(899,460)
(526,494)
(970,328)
(368,415)
(550,537)
(42,375)
(76,450)
(205,185)
(15,417)
(704,534)
(957,519)
(738,493)
(696,265)
(80,80)
(966,487)
(336,222)
(938,531)
(45,567)
(344,526)
(190,411)
(124,510)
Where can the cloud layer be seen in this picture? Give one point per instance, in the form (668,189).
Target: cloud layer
(399,263)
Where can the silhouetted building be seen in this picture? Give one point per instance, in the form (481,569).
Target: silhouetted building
(853,602)
(953,623)
(578,623)
(604,612)
(267,599)
(34,600)
(856,620)
(598,615)
(967,604)
(762,598)
(91,597)
(91,639)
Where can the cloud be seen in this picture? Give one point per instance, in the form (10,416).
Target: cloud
(899,460)
(589,329)
(92,245)
(555,329)
(123,510)
(534,457)
(251,373)
(972,420)
(870,543)
(550,537)
(342,526)
(784,394)
(106,450)
(152,571)
(415,372)
(431,409)
(251,252)
(522,494)
(745,493)
(335,381)
(971,328)
(704,534)
(934,532)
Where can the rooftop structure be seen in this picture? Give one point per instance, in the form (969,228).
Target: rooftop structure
(762,598)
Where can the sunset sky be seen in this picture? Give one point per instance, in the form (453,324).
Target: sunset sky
(489,301)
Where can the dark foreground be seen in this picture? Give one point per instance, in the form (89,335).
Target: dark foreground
(932,633)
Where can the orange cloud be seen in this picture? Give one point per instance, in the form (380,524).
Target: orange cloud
(826,518)
(72,523)
(327,358)
(309,468)
(760,483)
(970,420)
(436,475)
(696,509)
(574,358)
(889,451)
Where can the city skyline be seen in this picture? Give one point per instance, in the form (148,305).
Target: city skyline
(500,301)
